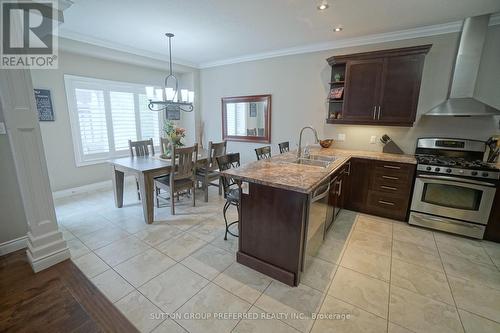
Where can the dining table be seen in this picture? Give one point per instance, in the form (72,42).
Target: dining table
(145,169)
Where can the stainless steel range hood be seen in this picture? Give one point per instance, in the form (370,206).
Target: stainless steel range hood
(461,101)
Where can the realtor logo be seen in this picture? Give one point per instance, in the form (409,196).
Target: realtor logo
(28,34)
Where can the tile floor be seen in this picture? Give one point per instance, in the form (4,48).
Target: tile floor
(370,275)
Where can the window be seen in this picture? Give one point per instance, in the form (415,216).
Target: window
(105,114)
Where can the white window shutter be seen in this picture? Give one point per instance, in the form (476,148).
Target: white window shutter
(150,121)
(92,121)
(123,118)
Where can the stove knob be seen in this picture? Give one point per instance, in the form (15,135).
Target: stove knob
(437,169)
(428,168)
(485,174)
(474,173)
(448,170)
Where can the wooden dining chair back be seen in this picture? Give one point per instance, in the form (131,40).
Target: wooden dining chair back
(141,148)
(231,187)
(184,162)
(284,147)
(209,173)
(182,176)
(164,145)
(263,152)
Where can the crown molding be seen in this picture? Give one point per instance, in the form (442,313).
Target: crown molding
(75,36)
(432,30)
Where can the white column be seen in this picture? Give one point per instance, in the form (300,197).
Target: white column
(46,245)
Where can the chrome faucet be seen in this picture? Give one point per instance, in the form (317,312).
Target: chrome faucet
(299,152)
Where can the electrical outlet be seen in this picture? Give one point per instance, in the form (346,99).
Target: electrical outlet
(2,128)
(341,137)
(373,139)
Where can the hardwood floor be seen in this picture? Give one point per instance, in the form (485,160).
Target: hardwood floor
(58,299)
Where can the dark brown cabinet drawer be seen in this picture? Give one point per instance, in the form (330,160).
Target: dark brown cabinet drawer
(394,169)
(391,205)
(391,183)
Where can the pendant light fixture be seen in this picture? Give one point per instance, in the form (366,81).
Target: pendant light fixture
(167,99)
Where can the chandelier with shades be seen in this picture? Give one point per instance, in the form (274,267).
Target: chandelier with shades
(168,99)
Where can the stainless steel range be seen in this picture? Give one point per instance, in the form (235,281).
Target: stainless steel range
(454,189)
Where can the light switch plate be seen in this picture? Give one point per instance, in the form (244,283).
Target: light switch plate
(341,137)
(2,128)
(373,139)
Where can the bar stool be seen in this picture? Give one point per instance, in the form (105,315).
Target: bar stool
(231,188)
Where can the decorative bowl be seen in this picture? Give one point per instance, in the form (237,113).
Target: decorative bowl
(326,143)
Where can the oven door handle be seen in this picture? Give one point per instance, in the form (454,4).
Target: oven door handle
(455,179)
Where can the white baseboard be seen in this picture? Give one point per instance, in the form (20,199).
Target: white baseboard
(13,245)
(107,184)
(47,261)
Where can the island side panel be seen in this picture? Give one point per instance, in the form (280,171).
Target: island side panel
(272,231)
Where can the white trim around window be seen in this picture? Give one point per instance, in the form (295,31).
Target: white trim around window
(102,113)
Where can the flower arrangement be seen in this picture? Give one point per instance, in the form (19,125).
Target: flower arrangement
(174,134)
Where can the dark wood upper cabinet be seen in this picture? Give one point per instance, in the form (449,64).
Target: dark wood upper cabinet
(380,88)
(401,87)
(363,78)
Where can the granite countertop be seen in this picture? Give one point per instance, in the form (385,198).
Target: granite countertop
(280,172)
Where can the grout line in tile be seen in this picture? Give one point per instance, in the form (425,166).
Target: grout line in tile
(390,279)
(478,315)
(251,305)
(449,285)
(338,265)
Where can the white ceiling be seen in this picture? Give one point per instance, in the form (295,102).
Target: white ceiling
(213,31)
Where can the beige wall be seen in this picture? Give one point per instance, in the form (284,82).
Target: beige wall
(13,222)
(299,86)
(56,135)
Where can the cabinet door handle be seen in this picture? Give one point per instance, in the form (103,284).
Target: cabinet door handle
(386,203)
(374,112)
(390,177)
(392,167)
(378,117)
(339,191)
(388,188)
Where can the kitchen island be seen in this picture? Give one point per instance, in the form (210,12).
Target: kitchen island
(289,204)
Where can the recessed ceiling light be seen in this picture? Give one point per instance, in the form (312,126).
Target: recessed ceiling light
(322,5)
(338,29)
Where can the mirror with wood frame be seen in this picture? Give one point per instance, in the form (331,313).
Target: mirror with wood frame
(247,118)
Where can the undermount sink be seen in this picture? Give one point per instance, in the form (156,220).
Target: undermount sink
(324,158)
(317,161)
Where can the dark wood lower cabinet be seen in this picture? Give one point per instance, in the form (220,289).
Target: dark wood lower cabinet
(272,232)
(280,229)
(492,232)
(380,188)
(357,184)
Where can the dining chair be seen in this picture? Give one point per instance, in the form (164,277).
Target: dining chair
(263,152)
(140,148)
(231,187)
(182,176)
(210,171)
(164,145)
(284,147)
